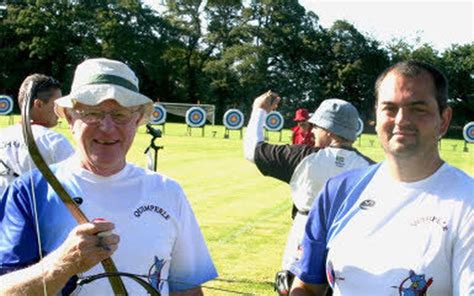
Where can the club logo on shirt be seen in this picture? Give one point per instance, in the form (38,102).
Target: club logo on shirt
(414,285)
(431,219)
(367,204)
(154,274)
(340,161)
(152,209)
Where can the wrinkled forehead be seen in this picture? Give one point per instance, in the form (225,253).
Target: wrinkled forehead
(104,105)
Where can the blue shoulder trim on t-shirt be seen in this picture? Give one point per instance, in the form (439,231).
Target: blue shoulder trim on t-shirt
(346,210)
(18,233)
(329,214)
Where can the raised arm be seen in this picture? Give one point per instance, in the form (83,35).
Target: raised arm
(262,105)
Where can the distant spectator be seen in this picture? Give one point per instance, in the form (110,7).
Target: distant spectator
(302,132)
(14,156)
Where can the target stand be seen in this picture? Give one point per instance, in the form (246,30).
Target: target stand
(274,123)
(233,121)
(158,116)
(6,108)
(195,118)
(468,133)
(227,133)
(155,133)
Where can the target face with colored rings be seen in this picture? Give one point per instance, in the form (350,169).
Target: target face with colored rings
(274,121)
(158,115)
(468,132)
(195,117)
(360,126)
(233,119)
(6,105)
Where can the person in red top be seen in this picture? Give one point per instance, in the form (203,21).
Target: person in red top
(302,132)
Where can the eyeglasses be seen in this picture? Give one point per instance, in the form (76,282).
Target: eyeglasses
(120,116)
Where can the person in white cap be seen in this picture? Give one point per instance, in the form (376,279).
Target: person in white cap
(54,147)
(303,167)
(404,226)
(159,236)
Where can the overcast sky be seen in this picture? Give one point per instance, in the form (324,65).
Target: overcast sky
(439,23)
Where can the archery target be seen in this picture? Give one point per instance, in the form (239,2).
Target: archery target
(233,119)
(360,126)
(158,115)
(195,117)
(274,121)
(468,132)
(6,105)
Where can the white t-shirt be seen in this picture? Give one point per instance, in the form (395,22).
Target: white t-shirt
(304,168)
(15,158)
(407,237)
(159,234)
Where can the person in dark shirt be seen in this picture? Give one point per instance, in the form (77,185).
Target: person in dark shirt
(303,167)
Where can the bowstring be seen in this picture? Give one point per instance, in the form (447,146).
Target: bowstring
(33,193)
(37,229)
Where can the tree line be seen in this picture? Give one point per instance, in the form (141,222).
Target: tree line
(222,52)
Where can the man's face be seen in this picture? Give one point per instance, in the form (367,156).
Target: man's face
(103,145)
(321,137)
(47,117)
(408,119)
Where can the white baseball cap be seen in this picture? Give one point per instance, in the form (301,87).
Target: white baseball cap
(97,80)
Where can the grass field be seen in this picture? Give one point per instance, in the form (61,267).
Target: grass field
(245,217)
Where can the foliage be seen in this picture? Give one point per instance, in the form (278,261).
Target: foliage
(221,52)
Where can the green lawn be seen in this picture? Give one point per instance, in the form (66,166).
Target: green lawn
(245,217)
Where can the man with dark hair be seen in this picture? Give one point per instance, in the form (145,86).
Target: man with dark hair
(405,226)
(14,156)
(305,168)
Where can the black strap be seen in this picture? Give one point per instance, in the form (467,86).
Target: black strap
(7,170)
(149,288)
(304,213)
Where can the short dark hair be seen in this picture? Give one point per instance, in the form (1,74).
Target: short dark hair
(42,87)
(414,68)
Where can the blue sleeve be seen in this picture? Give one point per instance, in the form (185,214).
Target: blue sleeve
(330,204)
(311,267)
(191,263)
(18,237)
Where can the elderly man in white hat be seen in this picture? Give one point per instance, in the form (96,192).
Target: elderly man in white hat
(304,168)
(160,239)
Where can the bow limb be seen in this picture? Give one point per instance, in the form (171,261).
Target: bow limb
(108,264)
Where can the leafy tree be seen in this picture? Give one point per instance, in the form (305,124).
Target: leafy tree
(458,65)
(354,65)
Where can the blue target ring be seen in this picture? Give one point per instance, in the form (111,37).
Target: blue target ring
(233,119)
(274,121)
(468,132)
(195,117)
(360,127)
(6,105)
(158,115)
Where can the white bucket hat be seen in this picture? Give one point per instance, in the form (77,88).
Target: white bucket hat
(97,80)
